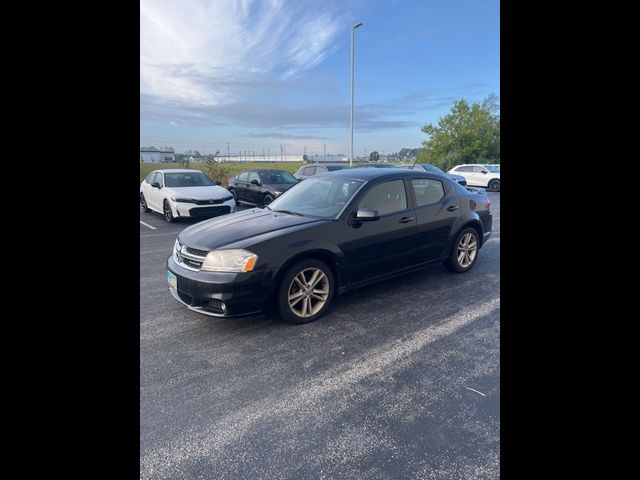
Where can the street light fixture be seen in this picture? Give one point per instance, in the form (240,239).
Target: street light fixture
(353,31)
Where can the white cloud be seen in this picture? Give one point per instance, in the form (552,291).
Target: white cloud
(192,52)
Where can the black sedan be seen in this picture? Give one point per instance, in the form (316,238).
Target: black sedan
(329,234)
(260,186)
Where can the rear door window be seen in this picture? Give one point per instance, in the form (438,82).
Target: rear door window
(387,197)
(428,191)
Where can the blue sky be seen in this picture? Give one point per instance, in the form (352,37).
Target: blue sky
(262,73)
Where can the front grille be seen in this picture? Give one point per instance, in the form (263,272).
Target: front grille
(199,253)
(213,201)
(191,263)
(210,211)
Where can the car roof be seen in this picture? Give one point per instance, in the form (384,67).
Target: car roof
(322,164)
(368,173)
(177,170)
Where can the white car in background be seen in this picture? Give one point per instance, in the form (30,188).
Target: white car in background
(479,175)
(177,193)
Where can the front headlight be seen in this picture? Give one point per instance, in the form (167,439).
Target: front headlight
(229,261)
(182,200)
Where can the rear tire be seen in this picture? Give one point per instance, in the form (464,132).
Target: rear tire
(494,185)
(168,214)
(268,198)
(299,300)
(464,252)
(143,204)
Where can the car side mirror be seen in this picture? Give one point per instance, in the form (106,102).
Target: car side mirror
(155,185)
(483,172)
(255,182)
(367,215)
(218,182)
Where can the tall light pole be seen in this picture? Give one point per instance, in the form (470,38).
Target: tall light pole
(353,36)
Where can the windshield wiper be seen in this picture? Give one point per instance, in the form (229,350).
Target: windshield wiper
(289,212)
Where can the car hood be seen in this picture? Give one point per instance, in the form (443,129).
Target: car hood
(213,192)
(235,227)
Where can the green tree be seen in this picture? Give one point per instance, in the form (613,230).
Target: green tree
(470,133)
(374,156)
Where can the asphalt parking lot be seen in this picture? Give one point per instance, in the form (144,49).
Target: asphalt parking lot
(399,380)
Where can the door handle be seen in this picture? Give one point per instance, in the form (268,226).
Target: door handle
(406,219)
(451,208)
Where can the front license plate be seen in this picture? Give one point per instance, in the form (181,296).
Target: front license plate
(172,279)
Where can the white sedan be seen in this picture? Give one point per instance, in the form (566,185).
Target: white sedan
(180,193)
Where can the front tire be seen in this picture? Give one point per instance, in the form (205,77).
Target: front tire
(306,291)
(494,185)
(235,196)
(464,252)
(143,204)
(168,214)
(268,198)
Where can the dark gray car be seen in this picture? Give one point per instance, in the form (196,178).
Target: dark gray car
(260,186)
(307,171)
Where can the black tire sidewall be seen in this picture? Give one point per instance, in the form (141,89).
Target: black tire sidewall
(264,199)
(283,290)
(143,203)
(493,182)
(164,213)
(452,261)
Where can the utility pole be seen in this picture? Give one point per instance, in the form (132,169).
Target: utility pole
(353,37)
(324,152)
(280,152)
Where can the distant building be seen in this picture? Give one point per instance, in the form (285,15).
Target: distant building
(157,156)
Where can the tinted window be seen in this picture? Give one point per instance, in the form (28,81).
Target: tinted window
(277,177)
(149,177)
(492,168)
(333,168)
(478,169)
(464,169)
(310,171)
(159,179)
(243,177)
(386,198)
(195,179)
(427,190)
(253,176)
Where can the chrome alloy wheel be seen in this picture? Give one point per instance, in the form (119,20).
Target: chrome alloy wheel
(308,292)
(467,250)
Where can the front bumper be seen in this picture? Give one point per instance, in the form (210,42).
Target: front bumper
(203,292)
(181,209)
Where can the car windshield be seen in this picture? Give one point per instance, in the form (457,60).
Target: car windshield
(492,168)
(431,168)
(322,197)
(195,179)
(277,177)
(332,168)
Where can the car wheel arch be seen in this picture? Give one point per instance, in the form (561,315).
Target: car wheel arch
(475,224)
(326,256)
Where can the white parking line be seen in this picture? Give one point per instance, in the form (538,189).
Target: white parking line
(387,358)
(147,225)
